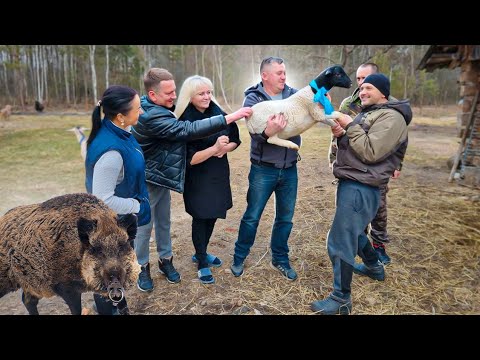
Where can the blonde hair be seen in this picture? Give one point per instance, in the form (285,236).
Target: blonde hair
(190,87)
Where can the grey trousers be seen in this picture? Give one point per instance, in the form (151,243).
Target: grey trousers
(160,206)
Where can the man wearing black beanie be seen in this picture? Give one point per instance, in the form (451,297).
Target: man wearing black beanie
(352,106)
(381,82)
(371,149)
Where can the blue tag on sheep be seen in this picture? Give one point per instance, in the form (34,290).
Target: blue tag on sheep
(321,97)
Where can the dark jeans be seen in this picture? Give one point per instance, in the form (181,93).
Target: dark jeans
(201,232)
(356,206)
(263,181)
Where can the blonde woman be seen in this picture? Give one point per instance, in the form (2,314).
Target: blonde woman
(207,195)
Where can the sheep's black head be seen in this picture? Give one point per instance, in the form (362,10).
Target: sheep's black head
(333,76)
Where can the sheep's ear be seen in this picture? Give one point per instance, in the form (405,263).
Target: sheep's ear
(129,223)
(85,227)
(328,72)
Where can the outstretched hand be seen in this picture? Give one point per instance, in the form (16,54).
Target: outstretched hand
(239,114)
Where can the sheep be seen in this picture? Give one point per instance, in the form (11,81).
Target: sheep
(82,139)
(66,246)
(6,112)
(300,110)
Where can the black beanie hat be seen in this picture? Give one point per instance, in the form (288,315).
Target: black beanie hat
(380,81)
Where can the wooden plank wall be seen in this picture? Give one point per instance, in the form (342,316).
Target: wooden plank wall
(469,84)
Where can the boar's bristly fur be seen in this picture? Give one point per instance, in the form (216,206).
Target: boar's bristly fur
(65,246)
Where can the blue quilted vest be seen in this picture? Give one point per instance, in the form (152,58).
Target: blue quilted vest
(111,137)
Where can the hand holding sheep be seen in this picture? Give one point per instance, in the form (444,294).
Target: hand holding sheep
(239,114)
(342,122)
(275,124)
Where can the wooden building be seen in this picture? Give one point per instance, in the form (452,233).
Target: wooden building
(467,57)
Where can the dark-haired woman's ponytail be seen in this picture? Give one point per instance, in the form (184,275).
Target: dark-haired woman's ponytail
(96,122)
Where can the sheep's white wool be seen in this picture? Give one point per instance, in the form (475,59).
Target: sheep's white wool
(300,112)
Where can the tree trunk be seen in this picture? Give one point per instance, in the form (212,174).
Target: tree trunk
(45,72)
(94,73)
(5,74)
(252,62)
(85,85)
(204,49)
(66,76)
(107,66)
(218,60)
(73,69)
(196,58)
(37,74)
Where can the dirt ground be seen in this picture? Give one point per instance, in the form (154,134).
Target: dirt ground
(434,228)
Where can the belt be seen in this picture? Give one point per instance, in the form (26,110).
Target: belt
(272,165)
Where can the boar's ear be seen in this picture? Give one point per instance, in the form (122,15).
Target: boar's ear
(129,223)
(85,227)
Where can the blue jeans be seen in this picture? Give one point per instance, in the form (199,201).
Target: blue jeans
(160,207)
(263,181)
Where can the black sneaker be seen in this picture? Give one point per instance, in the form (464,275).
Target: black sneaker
(382,255)
(165,267)
(145,282)
(285,270)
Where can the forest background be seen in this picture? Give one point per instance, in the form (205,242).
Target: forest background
(75,76)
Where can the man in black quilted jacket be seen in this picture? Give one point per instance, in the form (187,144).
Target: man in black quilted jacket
(163,140)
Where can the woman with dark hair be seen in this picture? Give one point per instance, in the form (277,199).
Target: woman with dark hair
(207,194)
(115,167)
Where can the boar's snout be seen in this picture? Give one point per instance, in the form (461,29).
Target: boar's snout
(114,279)
(116,293)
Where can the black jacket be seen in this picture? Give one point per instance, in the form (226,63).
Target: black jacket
(207,192)
(163,140)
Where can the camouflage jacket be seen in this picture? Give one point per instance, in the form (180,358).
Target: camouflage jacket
(351,105)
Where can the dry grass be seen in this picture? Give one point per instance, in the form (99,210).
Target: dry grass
(434,228)
(435,245)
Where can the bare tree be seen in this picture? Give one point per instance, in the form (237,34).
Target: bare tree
(36,66)
(73,69)
(218,61)
(44,72)
(94,73)
(107,66)
(66,76)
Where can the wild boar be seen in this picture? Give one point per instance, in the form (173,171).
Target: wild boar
(66,246)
